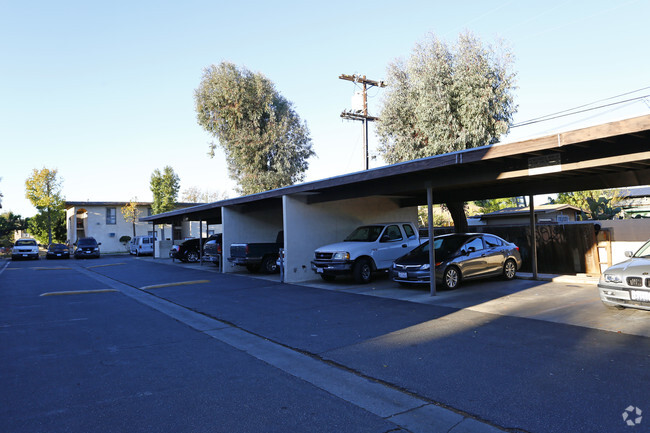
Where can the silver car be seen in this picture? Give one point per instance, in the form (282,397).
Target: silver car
(459,256)
(627,284)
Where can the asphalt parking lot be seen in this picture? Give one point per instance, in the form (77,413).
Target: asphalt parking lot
(520,356)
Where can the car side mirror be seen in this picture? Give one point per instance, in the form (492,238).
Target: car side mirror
(629,253)
(99,243)
(385,238)
(471,250)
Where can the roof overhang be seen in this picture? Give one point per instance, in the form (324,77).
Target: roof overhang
(611,155)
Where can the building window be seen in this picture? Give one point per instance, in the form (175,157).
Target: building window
(149,211)
(110,215)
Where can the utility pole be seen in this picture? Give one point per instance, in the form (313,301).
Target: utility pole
(362,114)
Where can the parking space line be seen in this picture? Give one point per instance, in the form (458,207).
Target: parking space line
(104,265)
(77,292)
(52,268)
(180,283)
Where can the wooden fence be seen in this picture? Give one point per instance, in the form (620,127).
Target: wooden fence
(561,248)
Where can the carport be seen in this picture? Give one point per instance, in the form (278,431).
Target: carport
(610,155)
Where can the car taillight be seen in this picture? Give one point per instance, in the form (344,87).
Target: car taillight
(246,248)
(219,248)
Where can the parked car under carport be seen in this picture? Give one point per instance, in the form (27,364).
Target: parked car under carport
(627,284)
(459,256)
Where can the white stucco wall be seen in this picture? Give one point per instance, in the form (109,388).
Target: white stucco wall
(96,227)
(627,235)
(307,227)
(245,227)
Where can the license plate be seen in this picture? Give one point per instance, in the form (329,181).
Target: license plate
(319,270)
(640,295)
(402,275)
(24,255)
(58,254)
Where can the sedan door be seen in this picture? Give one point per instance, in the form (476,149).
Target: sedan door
(494,254)
(473,261)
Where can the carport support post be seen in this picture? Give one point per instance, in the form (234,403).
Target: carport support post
(201,242)
(432,251)
(533,237)
(153,254)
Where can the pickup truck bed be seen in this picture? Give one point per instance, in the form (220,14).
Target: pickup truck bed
(257,256)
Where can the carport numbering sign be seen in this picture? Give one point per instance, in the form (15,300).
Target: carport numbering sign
(551,163)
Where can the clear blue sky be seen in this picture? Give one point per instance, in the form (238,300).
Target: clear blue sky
(103,92)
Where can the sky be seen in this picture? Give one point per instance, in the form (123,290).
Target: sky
(104,91)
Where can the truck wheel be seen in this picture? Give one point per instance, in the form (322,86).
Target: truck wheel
(362,271)
(328,277)
(269,265)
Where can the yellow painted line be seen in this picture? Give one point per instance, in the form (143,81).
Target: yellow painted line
(54,268)
(77,292)
(107,264)
(181,283)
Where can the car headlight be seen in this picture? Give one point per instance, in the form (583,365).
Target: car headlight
(612,278)
(425,267)
(341,255)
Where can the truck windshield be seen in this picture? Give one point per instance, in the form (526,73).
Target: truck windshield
(365,234)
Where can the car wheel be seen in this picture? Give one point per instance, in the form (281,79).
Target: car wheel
(362,271)
(509,269)
(192,256)
(451,278)
(328,277)
(268,265)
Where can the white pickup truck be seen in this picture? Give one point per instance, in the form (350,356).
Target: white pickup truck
(368,249)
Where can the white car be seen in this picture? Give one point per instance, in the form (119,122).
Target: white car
(367,249)
(25,248)
(627,284)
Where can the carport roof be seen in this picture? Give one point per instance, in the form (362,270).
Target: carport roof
(610,155)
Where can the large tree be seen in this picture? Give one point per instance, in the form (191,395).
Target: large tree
(164,186)
(43,190)
(446,98)
(265,142)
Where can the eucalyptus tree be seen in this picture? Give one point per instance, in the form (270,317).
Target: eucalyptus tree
(444,99)
(265,142)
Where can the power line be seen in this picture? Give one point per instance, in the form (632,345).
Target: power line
(573,111)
